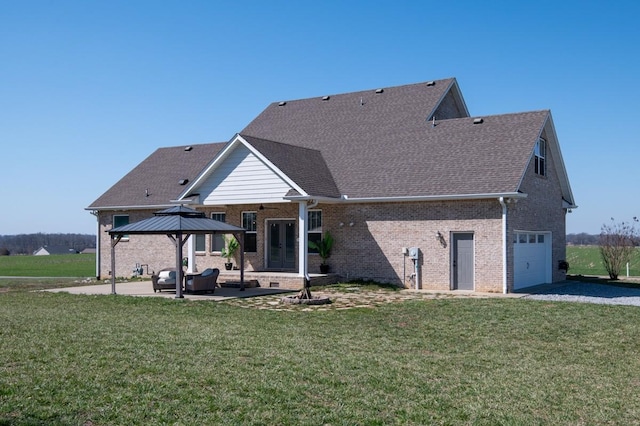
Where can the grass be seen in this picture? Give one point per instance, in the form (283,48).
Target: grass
(586,260)
(62,265)
(103,360)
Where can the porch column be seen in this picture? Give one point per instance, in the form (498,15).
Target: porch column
(303,239)
(191,254)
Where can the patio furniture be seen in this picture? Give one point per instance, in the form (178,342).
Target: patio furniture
(164,280)
(204,282)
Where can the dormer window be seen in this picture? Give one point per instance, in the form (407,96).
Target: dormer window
(539,157)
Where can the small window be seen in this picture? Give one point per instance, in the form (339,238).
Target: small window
(121,220)
(201,241)
(540,238)
(251,236)
(532,238)
(217,240)
(314,227)
(522,238)
(539,157)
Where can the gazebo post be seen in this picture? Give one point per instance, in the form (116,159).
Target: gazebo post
(115,239)
(179,265)
(240,238)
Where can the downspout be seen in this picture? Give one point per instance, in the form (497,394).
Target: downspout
(95,213)
(504,244)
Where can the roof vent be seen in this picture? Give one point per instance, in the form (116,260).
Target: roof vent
(379,90)
(183,181)
(431,83)
(478,120)
(326,98)
(283,103)
(188,148)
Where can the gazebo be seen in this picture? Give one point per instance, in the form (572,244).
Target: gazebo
(178,223)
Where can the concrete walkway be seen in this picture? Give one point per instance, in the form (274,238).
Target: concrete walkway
(145,289)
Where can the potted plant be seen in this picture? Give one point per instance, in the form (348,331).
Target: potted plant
(324,247)
(229,250)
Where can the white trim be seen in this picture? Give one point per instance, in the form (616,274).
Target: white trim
(346,199)
(504,245)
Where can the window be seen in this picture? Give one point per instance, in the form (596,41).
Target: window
(121,220)
(201,240)
(251,236)
(217,240)
(540,154)
(314,227)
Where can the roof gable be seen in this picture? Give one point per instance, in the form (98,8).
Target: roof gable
(253,170)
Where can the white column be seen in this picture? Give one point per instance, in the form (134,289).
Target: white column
(191,254)
(302,239)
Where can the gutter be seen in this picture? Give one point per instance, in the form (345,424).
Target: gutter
(346,199)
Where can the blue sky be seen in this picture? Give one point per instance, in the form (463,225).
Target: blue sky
(88,89)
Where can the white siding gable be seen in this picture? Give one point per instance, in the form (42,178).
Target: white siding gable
(242,178)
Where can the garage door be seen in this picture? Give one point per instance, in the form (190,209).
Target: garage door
(532,259)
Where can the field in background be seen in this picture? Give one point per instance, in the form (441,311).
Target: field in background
(62,265)
(586,260)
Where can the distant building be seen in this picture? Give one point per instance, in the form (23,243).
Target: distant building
(47,250)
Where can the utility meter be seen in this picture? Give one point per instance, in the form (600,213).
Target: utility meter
(414,253)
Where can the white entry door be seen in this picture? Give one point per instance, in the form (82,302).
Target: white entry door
(532,259)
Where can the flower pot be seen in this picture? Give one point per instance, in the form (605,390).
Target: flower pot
(228,266)
(324,268)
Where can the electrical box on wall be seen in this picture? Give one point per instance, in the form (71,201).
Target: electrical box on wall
(414,253)
(405,251)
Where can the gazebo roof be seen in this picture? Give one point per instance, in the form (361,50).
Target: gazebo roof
(178,219)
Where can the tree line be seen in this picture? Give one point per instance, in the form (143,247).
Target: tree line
(29,243)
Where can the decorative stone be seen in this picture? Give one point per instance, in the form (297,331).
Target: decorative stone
(315,300)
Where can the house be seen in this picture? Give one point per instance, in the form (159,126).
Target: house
(414,190)
(48,250)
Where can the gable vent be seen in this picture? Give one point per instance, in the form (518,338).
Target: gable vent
(379,90)
(431,83)
(282,103)
(326,98)
(183,181)
(478,120)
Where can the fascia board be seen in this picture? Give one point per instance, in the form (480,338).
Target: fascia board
(558,161)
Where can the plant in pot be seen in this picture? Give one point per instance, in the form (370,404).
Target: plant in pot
(323,247)
(229,250)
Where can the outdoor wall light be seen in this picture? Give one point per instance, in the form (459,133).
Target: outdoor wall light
(341,224)
(351,223)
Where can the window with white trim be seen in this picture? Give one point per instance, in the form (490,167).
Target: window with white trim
(201,243)
(539,157)
(121,220)
(251,236)
(314,227)
(217,240)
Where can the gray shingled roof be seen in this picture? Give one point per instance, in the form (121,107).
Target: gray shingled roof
(367,144)
(385,146)
(159,176)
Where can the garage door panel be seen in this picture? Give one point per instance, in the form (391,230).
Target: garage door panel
(531,259)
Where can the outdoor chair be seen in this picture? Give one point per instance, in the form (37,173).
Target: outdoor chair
(204,282)
(164,280)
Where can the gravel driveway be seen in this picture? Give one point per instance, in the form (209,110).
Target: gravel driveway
(590,293)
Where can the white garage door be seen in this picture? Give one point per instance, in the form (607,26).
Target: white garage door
(532,258)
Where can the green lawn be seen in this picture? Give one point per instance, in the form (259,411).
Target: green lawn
(106,360)
(61,265)
(586,260)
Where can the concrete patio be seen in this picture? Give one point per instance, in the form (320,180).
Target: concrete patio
(145,289)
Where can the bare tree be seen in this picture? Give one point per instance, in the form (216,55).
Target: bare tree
(617,245)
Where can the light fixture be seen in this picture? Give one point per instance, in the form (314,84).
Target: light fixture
(351,223)
(341,224)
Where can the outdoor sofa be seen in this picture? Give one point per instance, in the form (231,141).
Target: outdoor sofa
(204,282)
(164,280)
